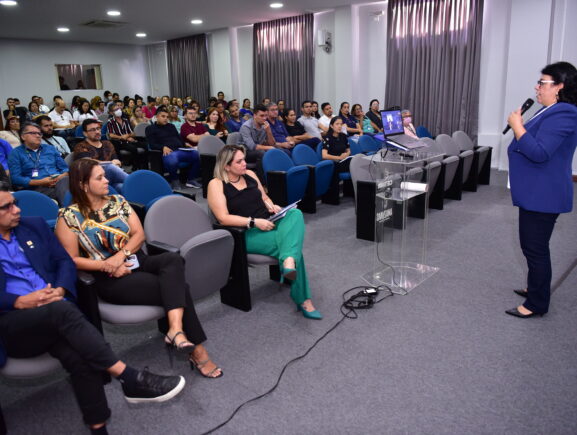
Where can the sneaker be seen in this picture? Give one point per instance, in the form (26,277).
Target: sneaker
(150,387)
(194,184)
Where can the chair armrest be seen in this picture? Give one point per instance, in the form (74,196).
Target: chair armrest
(85,278)
(277,187)
(139,209)
(155,247)
(186,194)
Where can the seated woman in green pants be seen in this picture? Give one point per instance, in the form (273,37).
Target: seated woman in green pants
(237,199)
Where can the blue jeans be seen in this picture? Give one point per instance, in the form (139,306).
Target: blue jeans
(115,176)
(172,160)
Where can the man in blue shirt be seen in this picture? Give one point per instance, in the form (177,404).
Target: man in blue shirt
(37,166)
(38,315)
(281,137)
(235,122)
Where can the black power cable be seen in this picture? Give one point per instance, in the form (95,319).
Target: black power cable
(366,298)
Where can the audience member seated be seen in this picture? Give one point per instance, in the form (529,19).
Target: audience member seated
(104,236)
(14,110)
(75,103)
(164,137)
(84,112)
(99,108)
(101,150)
(236,198)
(265,101)
(121,135)
(33,111)
(221,112)
(48,138)
(180,106)
(107,97)
(215,124)
(246,111)
(220,97)
(408,124)
(296,130)
(200,114)
(254,136)
(138,117)
(352,124)
(64,124)
(366,124)
(281,138)
(11,132)
(325,120)
(308,121)
(42,108)
(5,150)
(315,109)
(374,114)
(38,315)
(336,146)
(150,108)
(281,104)
(129,107)
(192,130)
(173,117)
(235,121)
(36,166)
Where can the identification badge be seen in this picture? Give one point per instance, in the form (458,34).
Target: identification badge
(34,173)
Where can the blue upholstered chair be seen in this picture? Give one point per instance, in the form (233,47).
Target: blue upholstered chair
(286,182)
(354,145)
(68,197)
(368,145)
(322,170)
(32,203)
(422,131)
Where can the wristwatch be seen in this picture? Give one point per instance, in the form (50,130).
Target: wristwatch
(126,253)
(251,223)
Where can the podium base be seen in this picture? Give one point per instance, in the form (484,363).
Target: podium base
(400,277)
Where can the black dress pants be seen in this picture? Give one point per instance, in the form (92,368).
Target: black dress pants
(62,330)
(138,152)
(158,281)
(535,229)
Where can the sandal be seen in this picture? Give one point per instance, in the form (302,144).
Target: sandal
(183,346)
(200,365)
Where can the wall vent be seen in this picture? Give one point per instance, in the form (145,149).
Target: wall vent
(103,24)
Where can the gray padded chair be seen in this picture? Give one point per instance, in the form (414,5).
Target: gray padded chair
(451,148)
(446,183)
(482,161)
(140,129)
(208,148)
(69,158)
(233,138)
(129,314)
(30,367)
(103,117)
(181,225)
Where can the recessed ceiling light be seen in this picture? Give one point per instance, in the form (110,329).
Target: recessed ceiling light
(196,21)
(8,3)
(141,35)
(276,5)
(63,29)
(113,13)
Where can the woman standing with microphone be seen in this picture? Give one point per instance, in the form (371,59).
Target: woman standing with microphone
(540,158)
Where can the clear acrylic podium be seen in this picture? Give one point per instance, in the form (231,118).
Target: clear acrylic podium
(401,203)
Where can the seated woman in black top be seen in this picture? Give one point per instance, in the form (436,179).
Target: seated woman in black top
(236,198)
(374,114)
(336,145)
(353,125)
(297,131)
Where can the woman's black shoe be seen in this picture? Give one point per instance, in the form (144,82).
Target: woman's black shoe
(515,312)
(521,292)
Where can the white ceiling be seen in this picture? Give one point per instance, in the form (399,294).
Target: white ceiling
(159,19)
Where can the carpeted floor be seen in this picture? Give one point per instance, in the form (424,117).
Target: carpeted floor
(444,359)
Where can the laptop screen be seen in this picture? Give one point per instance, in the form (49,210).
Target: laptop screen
(392,122)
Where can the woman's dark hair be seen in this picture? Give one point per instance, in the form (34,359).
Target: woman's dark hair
(79,173)
(30,105)
(372,101)
(316,112)
(354,108)
(80,104)
(219,126)
(150,99)
(564,72)
(334,119)
(285,114)
(341,109)
(75,101)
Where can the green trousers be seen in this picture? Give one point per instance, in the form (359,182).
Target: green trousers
(285,240)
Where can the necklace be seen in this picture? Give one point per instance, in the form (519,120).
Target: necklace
(237,180)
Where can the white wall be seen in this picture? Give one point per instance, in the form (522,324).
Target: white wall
(246,87)
(27,68)
(157,69)
(219,58)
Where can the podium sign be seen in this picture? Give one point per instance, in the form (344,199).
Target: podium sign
(401,217)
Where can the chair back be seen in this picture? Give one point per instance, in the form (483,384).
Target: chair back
(78,132)
(276,160)
(448,145)
(368,144)
(175,219)
(304,155)
(143,186)
(209,145)
(104,130)
(233,138)
(422,131)
(354,145)
(463,141)
(140,129)
(69,158)
(68,196)
(32,203)
(103,117)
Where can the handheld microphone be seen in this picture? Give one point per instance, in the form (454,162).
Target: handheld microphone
(526,106)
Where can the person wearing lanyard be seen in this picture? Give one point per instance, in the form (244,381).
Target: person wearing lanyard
(36,166)
(48,137)
(540,157)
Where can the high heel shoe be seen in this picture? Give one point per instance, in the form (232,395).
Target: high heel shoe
(289,273)
(516,313)
(183,346)
(521,292)
(200,365)
(315,314)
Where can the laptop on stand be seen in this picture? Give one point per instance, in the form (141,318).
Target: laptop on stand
(394,132)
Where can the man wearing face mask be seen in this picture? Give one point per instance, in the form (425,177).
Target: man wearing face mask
(121,135)
(408,124)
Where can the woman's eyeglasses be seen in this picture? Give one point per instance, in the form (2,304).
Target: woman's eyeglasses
(542,82)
